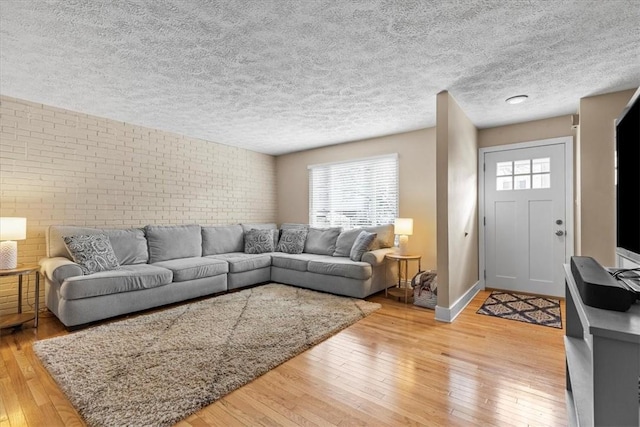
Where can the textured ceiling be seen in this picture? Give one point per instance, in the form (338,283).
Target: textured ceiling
(277,76)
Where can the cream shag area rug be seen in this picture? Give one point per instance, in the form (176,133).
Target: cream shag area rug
(157,369)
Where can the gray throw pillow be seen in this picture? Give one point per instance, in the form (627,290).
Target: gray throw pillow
(259,241)
(93,253)
(361,245)
(292,240)
(345,242)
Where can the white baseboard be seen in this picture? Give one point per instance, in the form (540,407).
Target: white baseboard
(444,314)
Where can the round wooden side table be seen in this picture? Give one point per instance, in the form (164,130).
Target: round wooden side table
(13,320)
(399,291)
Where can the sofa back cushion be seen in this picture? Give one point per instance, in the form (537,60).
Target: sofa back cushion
(173,241)
(321,241)
(385,237)
(129,245)
(293,226)
(222,240)
(55,242)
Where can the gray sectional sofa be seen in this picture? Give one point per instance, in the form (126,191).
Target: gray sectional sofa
(166,264)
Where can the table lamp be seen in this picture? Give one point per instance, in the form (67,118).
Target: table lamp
(11,229)
(404,228)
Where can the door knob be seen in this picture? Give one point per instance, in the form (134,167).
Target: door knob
(559,233)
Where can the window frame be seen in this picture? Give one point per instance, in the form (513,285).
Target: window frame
(362,161)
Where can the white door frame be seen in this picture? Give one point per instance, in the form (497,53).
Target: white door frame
(567,141)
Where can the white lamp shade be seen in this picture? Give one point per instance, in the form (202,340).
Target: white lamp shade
(403,226)
(13,228)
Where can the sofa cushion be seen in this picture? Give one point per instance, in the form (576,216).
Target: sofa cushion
(125,279)
(259,241)
(293,225)
(296,262)
(321,241)
(385,237)
(361,245)
(55,241)
(260,226)
(172,242)
(222,240)
(194,268)
(129,245)
(240,262)
(338,266)
(92,252)
(292,240)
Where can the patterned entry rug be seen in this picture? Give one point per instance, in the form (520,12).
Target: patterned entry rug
(157,369)
(525,308)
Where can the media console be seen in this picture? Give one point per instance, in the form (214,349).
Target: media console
(603,362)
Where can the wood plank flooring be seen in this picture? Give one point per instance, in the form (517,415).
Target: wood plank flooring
(396,367)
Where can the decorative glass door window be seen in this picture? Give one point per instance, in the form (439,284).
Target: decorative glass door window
(523,174)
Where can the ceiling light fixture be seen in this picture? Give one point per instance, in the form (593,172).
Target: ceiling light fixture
(516,99)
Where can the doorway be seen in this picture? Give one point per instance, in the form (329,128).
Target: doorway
(526,215)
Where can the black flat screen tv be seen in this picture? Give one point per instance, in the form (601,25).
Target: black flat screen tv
(628,180)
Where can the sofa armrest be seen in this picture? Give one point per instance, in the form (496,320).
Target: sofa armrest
(376,257)
(59,269)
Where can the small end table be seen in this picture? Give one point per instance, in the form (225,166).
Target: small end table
(399,291)
(13,320)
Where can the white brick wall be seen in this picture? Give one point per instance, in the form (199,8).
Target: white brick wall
(62,167)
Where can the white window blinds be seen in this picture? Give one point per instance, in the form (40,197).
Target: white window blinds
(355,193)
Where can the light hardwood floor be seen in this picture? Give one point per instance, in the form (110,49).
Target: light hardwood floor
(396,367)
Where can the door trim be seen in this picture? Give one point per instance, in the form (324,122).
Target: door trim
(567,142)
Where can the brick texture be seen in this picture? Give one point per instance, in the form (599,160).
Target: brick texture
(63,167)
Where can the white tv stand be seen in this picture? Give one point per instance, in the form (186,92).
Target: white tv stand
(603,362)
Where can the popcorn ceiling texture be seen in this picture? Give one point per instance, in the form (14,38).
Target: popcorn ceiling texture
(61,167)
(278,76)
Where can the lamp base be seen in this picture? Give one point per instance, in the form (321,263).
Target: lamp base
(8,255)
(403,244)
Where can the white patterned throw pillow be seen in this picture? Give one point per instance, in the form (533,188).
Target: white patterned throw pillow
(259,241)
(92,252)
(292,240)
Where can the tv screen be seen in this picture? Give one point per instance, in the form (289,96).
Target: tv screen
(628,180)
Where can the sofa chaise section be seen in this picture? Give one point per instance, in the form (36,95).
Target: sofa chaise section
(336,275)
(325,264)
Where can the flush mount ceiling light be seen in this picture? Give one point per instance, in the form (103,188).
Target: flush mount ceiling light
(516,99)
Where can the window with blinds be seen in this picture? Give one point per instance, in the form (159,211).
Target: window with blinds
(356,193)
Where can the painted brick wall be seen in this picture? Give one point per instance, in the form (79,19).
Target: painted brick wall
(63,167)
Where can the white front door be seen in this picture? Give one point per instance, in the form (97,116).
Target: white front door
(525,219)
